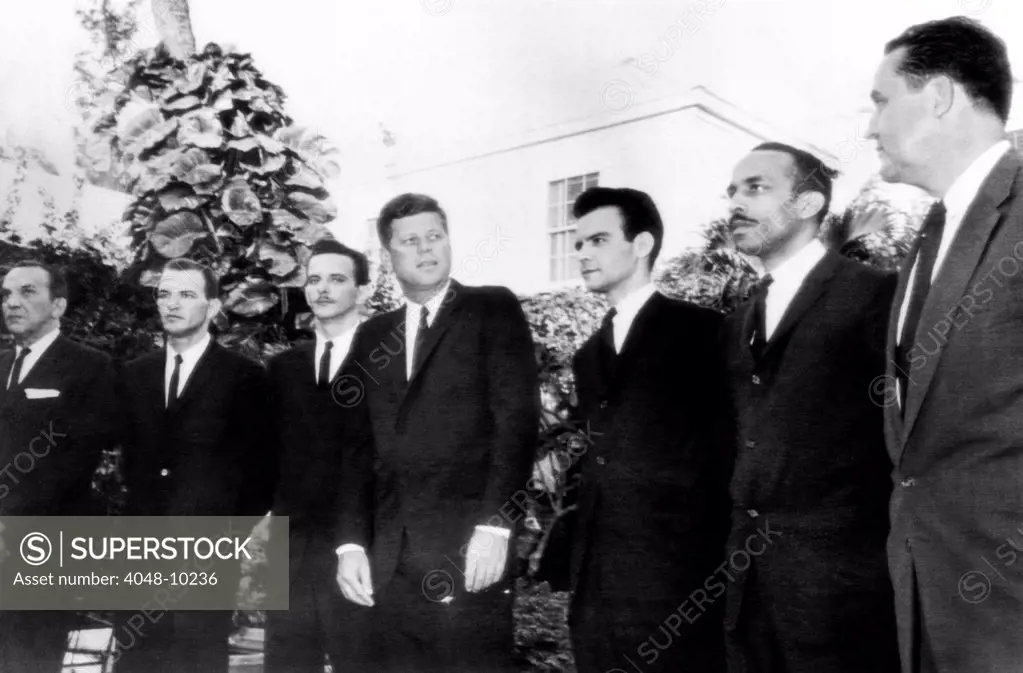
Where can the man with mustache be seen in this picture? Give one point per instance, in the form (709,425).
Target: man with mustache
(57,414)
(442,407)
(942,94)
(653,500)
(304,410)
(805,353)
(197,442)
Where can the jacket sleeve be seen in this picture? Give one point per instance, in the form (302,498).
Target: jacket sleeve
(351,429)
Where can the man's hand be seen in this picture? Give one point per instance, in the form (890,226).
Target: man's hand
(545,472)
(353,577)
(485,560)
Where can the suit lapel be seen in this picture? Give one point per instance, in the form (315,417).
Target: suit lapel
(6,362)
(632,346)
(200,375)
(955,273)
(810,291)
(45,367)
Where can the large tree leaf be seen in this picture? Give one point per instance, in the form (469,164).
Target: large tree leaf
(243,144)
(298,277)
(271,164)
(304,231)
(182,104)
(317,210)
(175,235)
(201,128)
(270,144)
(305,178)
(193,79)
(240,127)
(202,174)
(251,297)
(240,204)
(145,130)
(282,261)
(180,197)
(313,148)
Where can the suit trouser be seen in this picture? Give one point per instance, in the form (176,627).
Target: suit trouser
(411,630)
(297,639)
(178,641)
(33,641)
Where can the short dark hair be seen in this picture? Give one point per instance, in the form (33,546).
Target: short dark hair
(811,174)
(406,205)
(639,212)
(330,246)
(58,281)
(212,283)
(964,50)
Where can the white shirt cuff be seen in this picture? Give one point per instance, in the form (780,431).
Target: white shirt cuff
(495,530)
(349,547)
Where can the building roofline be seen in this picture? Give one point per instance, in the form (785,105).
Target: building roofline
(697,98)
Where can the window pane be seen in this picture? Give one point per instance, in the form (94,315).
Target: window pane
(591,180)
(554,268)
(554,245)
(575,188)
(554,215)
(555,192)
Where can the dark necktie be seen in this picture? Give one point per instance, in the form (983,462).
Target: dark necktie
(759,338)
(172,394)
(417,350)
(323,378)
(16,369)
(927,254)
(607,331)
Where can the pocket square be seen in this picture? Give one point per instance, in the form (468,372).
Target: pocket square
(41,393)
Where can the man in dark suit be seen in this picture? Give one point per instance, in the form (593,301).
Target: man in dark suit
(197,443)
(442,401)
(955,428)
(56,417)
(652,502)
(810,589)
(337,281)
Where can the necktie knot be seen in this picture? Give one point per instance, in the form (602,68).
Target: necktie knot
(327,346)
(762,285)
(323,372)
(609,318)
(424,317)
(178,359)
(16,368)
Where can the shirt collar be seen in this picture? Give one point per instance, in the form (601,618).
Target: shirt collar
(432,305)
(963,191)
(794,270)
(40,346)
(339,340)
(629,307)
(192,353)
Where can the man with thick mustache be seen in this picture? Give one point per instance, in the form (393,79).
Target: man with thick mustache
(806,356)
(442,417)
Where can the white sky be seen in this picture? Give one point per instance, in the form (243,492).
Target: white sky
(443,72)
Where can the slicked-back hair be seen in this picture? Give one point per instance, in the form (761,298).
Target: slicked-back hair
(330,246)
(811,174)
(406,205)
(57,279)
(210,280)
(639,212)
(963,50)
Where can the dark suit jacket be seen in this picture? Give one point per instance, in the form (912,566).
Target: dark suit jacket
(653,495)
(59,439)
(309,449)
(958,452)
(210,454)
(450,449)
(812,477)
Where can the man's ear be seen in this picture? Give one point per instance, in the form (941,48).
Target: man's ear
(214,308)
(60,307)
(643,244)
(941,94)
(809,204)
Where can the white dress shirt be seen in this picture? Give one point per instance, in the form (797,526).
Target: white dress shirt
(788,278)
(626,311)
(957,201)
(412,311)
(189,358)
(338,352)
(36,351)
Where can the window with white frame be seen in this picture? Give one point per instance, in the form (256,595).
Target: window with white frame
(1016,138)
(561,225)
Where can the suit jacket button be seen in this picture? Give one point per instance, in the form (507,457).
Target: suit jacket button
(164,472)
(603,404)
(756,380)
(750,444)
(753,513)
(601,460)
(908,481)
